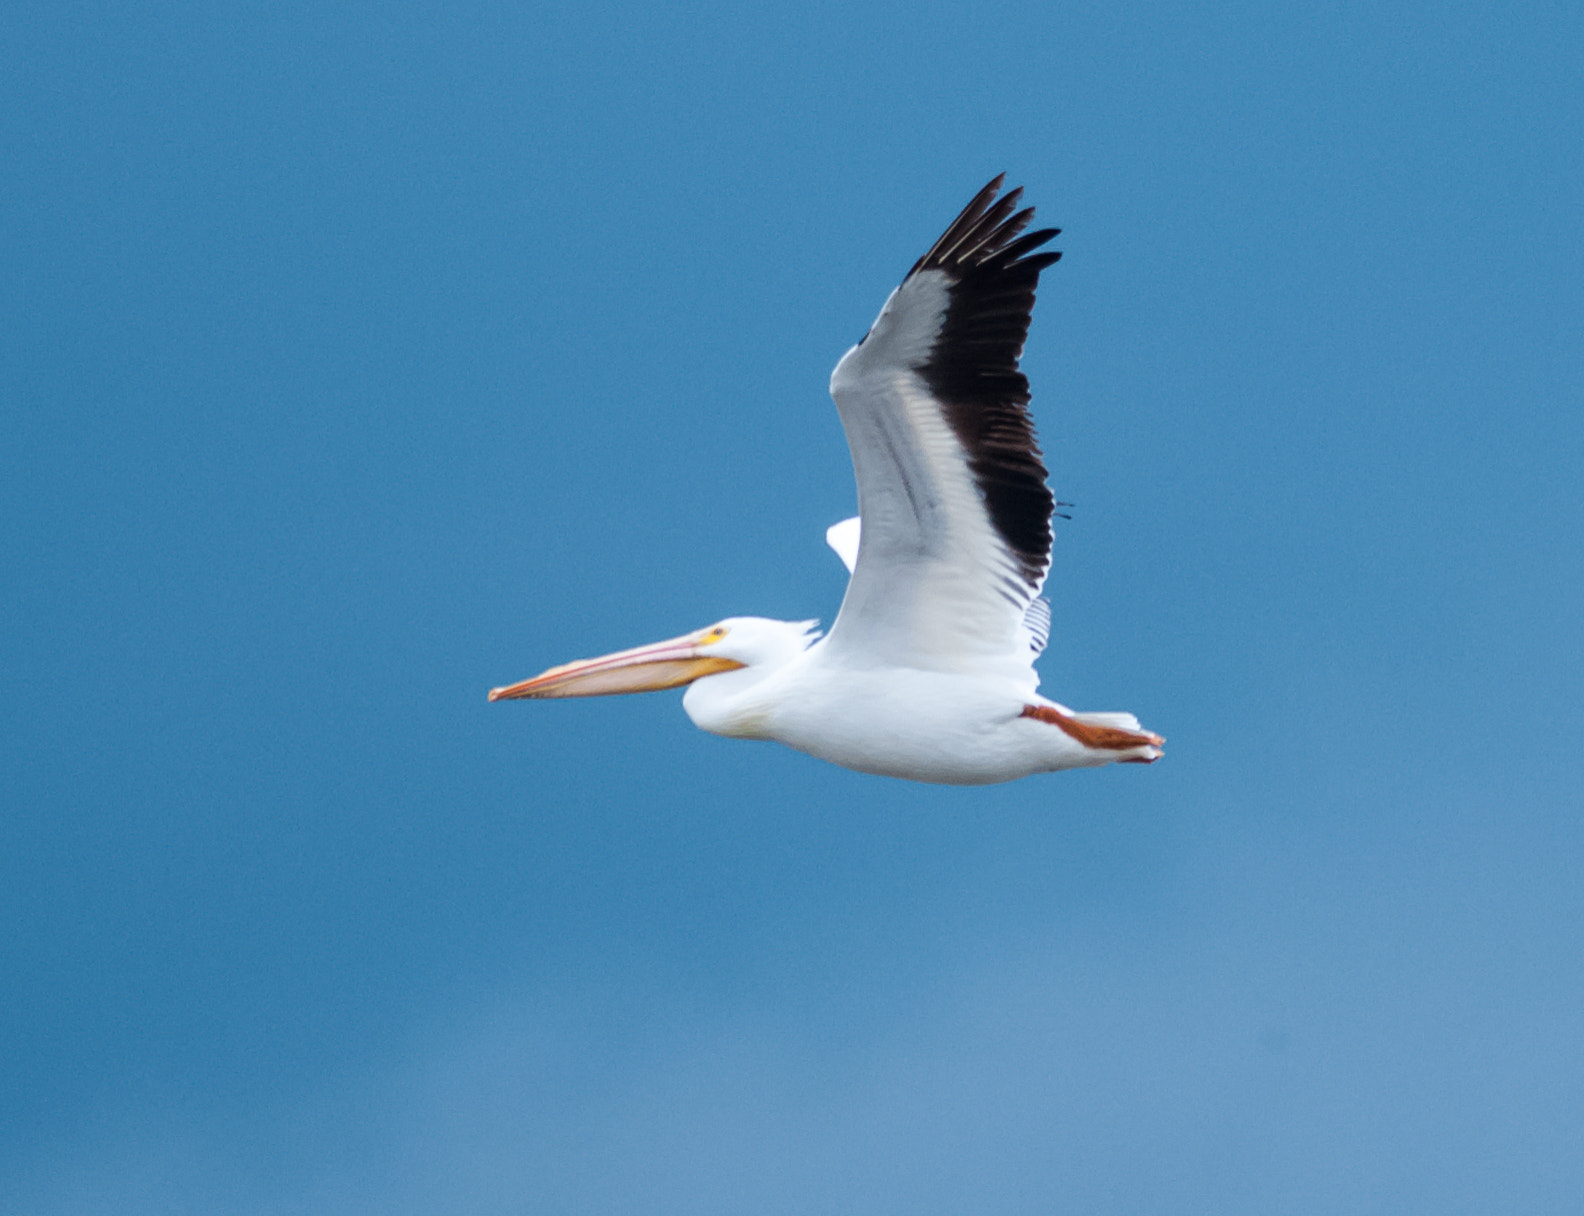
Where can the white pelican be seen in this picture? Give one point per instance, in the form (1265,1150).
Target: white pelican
(928,672)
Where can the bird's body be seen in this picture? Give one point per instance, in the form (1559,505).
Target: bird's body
(951,727)
(928,670)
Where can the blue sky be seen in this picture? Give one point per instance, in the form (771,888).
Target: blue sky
(356,359)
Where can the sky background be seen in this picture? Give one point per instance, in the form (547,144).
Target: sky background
(355,359)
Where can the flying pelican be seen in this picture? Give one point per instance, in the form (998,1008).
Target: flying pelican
(928,672)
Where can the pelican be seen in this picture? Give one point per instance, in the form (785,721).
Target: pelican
(928,672)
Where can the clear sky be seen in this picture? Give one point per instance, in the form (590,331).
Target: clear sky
(355,359)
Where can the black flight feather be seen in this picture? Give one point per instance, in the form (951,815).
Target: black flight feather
(992,271)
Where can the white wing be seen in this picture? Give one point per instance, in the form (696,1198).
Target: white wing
(951,490)
(844,537)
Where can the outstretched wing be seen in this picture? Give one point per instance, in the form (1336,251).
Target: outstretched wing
(956,515)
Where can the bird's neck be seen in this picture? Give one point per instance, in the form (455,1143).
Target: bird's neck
(732,703)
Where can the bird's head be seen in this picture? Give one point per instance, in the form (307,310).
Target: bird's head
(729,645)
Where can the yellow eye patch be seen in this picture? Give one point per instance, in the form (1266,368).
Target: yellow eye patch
(714,635)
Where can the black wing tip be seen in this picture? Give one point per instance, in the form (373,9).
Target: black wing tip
(989,229)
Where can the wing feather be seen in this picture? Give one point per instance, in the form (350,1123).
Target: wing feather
(956,514)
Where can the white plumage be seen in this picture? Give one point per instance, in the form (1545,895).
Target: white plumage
(928,671)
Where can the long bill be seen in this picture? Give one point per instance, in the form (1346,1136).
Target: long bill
(643,669)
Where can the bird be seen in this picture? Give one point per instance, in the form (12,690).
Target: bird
(927,672)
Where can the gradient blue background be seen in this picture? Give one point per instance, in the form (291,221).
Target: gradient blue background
(357,358)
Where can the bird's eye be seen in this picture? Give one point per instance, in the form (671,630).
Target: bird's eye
(714,635)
